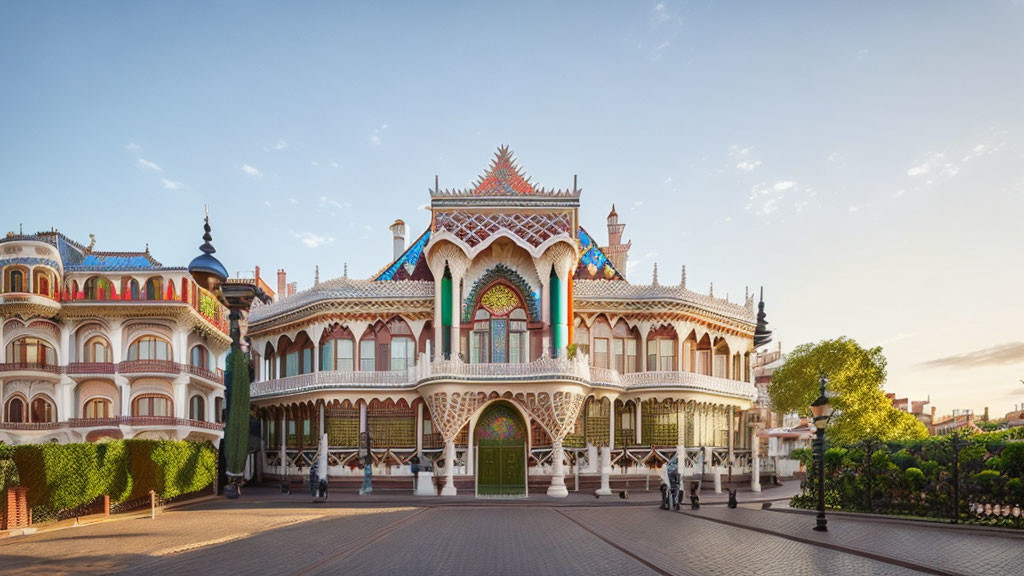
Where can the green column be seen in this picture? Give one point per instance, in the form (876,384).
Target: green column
(446,314)
(559,329)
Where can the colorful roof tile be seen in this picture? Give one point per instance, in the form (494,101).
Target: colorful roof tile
(594,265)
(411,265)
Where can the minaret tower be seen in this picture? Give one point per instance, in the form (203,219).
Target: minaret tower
(616,251)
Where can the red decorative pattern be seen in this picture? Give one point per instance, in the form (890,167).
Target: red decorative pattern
(503,177)
(473,228)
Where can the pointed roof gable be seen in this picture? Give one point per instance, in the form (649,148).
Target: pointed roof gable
(411,265)
(503,178)
(594,265)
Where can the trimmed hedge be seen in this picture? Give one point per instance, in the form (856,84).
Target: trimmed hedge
(69,476)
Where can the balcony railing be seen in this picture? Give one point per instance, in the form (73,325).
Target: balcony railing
(90,368)
(577,369)
(217,376)
(148,367)
(331,379)
(116,421)
(141,421)
(29,366)
(699,382)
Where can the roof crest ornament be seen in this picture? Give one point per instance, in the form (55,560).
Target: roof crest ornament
(682,278)
(316,276)
(654,279)
(711,291)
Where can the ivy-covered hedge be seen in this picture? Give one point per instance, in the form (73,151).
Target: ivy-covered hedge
(63,477)
(924,477)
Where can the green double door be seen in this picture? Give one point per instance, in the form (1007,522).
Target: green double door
(501,452)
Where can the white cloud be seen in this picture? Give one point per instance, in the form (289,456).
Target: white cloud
(293,201)
(314,163)
(252,172)
(668,180)
(267,203)
(280,145)
(637,204)
(133,147)
(171,184)
(660,14)
(147,165)
(310,239)
(325,202)
(783,185)
(334,165)
(748,166)
(376,137)
(658,51)
(367,227)
(918,170)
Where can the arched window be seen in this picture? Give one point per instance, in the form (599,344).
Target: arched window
(98,288)
(151,405)
(624,346)
(338,350)
(28,350)
(15,281)
(15,410)
(403,347)
(96,350)
(149,348)
(366,352)
(97,408)
(42,410)
(499,328)
(43,282)
(661,350)
(197,408)
(200,357)
(130,290)
(154,289)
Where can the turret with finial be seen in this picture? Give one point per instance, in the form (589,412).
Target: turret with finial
(682,278)
(316,276)
(654,279)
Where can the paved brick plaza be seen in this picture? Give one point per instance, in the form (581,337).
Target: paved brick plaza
(285,535)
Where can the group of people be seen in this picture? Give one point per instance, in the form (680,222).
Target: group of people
(672,488)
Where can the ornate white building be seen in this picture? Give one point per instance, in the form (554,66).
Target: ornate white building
(505,346)
(104,345)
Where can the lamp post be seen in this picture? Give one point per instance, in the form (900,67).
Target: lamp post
(821,410)
(210,274)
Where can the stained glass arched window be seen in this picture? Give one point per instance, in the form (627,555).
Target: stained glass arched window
(500,424)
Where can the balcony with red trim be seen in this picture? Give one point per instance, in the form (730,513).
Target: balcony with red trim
(90,368)
(48,371)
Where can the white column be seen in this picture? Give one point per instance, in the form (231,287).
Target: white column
(211,407)
(65,344)
(557,488)
(644,331)
(180,387)
(681,438)
(322,423)
(116,334)
(606,470)
(125,388)
(322,472)
(449,468)
(545,315)
(66,399)
(284,444)
(731,416)
(755,461)
(611,425)
(3,353)
(639,422)
(419,428)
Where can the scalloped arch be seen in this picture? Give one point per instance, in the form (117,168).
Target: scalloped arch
(501,272)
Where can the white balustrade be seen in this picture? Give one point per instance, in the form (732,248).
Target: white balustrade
(689,380)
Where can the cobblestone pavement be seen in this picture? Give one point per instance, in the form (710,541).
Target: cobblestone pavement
(258,536)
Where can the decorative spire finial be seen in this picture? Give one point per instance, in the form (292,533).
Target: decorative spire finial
(762,335)
(346,269)
(316,276)
(654,280)
(711,291)
(147,247)
(682,278)
(206,247)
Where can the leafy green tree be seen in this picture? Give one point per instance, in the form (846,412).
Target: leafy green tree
(855,378)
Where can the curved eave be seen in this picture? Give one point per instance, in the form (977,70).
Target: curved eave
(177,311)
(341,306)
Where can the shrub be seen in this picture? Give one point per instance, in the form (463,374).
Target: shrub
(67,476)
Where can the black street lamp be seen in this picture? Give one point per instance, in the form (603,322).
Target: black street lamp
(209,273)
(821,410)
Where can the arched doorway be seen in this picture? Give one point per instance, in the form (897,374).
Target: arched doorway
(500,435)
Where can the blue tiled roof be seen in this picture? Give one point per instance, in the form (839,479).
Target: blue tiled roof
(118,262)
(409,259)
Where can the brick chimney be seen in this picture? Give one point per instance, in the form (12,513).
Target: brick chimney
(282,283)
(293,288)
(398,233)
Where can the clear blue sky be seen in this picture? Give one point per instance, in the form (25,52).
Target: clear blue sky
(863,162)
